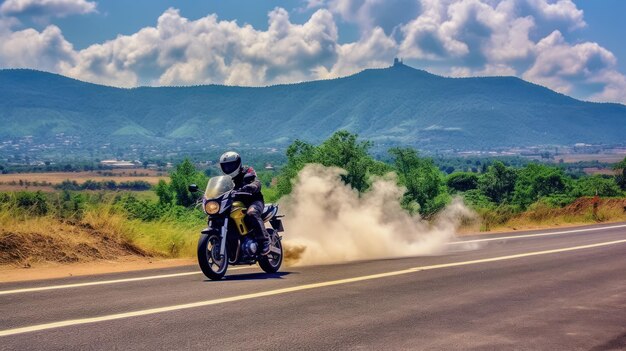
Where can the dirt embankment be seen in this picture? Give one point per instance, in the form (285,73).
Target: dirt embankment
(63,243)
(586,210)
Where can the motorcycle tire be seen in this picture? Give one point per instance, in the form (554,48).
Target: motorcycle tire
(208,247)
(271,262)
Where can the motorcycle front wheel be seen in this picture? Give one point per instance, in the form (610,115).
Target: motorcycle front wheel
(209,259)
(272,261)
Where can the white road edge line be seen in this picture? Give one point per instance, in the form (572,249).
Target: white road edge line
(536,235)
(73,322)
(105,282)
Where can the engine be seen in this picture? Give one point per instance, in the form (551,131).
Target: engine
(249,247)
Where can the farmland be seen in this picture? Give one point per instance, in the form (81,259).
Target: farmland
(47,181)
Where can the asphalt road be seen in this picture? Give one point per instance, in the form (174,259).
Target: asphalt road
(517,291)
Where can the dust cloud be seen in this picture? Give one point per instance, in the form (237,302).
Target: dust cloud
(328,222)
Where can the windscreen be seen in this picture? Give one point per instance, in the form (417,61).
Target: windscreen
(217,186)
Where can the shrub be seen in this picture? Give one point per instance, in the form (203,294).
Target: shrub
(498,182)
(462,181)
(35,203)
(596,185)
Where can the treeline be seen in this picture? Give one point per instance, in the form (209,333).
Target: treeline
(56,167)
(27,183)
(479,164)
(429,188)
(518,188)
(72,185)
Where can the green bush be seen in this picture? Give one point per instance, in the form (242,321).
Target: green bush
(536,181)
(35,203)
(343,150)
(498,182)
(462,181)
(596,185)
(423,181)
(176,191)
(620,178)
(476,199)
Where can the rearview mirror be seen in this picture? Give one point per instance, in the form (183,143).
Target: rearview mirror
(193,188)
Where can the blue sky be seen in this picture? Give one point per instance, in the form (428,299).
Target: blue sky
(572,46)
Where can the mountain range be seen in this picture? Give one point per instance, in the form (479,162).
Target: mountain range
(398,105)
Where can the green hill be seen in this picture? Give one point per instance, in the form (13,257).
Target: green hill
(396,105)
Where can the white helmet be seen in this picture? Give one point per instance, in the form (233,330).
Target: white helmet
(230,163)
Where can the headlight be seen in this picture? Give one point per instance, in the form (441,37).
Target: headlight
(212,207)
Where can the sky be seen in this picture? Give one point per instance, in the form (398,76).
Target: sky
(572,46)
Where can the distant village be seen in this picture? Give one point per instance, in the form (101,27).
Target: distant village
(28,151)
(65,148)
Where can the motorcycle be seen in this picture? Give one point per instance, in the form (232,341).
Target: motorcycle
(227,240)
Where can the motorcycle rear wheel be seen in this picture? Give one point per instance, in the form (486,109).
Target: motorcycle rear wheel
(208,251)
(271,262)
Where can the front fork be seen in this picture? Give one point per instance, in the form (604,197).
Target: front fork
(223,234)
(223,239)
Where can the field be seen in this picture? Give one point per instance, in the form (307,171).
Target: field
(608,158)
(46,181)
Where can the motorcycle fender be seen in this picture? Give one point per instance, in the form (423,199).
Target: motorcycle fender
(277,224)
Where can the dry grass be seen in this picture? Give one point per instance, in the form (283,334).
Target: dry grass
(43,239)
(101,234)
(610,158)
(580,212)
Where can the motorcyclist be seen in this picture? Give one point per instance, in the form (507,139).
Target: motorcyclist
(245,180)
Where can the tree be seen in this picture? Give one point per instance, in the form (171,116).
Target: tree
(498,182)
(536,181)
(596,185)
(184,175)
(299,153)
(620,178)
(462,181)
(342,150)
(164,192)
(422,179)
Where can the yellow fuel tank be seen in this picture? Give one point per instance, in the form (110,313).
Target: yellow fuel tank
(237,215)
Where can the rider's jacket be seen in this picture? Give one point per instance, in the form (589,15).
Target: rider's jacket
(247,181)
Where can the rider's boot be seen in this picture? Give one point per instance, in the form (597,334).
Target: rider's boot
(262,236)
(264,245)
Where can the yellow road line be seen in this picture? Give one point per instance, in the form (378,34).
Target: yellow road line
(289,290)
(105,282)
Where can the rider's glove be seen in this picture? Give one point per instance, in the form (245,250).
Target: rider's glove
(248,188)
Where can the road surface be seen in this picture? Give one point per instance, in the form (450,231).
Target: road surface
(546,290)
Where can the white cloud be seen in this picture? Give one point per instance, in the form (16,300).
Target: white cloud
(376,50)
(47,8)
(561,66)
(563,11)
(369,14)
(178,51)
(46,50)
(614,86)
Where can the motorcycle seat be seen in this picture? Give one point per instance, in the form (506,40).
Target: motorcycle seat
(269,212)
